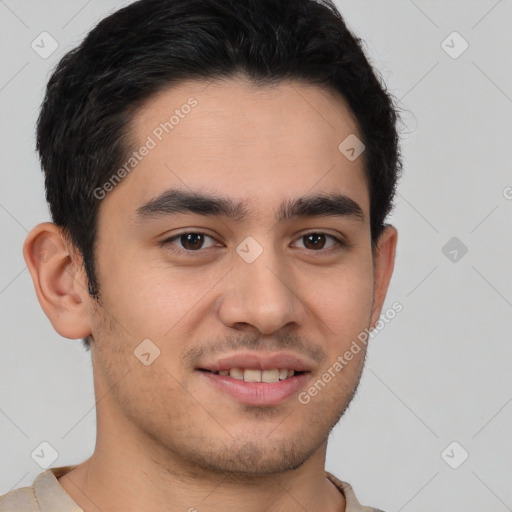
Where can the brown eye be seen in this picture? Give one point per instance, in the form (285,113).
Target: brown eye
(314,241)
(192,241)
(188,242)
(317,242)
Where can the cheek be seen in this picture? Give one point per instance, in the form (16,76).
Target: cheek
(157,300)
(342,300)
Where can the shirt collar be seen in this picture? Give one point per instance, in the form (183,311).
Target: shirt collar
(51,496)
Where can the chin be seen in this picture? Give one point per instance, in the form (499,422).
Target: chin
(251,458)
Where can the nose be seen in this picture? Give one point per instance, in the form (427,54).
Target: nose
(262,294)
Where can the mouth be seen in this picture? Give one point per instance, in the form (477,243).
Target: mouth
(256,375)
(251,386)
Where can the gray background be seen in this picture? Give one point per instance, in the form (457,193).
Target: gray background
(438,373)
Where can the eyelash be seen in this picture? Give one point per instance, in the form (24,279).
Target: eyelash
(339,244)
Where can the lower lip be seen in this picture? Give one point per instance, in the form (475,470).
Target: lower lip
(258,393)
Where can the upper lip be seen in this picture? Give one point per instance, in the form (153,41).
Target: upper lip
(259,361)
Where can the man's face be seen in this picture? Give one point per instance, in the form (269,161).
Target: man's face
(255,284)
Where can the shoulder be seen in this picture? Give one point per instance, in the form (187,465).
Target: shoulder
(44,495)
(19,500)
(345,488)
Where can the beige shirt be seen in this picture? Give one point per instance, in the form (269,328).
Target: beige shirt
(47,495)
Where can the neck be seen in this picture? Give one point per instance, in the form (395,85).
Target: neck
(133,476)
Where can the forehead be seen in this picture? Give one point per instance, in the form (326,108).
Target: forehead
(233,138)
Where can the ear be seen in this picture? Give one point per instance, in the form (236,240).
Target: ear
(383,264)
(59,280)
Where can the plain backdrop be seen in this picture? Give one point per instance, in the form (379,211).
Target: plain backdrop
(430,426)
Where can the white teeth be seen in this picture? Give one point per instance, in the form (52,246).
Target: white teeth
(270,376)
(236,373)
(251,375)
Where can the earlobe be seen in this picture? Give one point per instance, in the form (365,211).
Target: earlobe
(58,279)
(383,262)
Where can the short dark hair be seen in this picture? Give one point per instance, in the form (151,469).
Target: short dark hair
(83,127)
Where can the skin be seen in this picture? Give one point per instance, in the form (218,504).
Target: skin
(165,439)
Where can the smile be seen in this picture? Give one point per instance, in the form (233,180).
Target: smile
(257,387)
(255,375)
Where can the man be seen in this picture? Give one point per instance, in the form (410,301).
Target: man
(218,174)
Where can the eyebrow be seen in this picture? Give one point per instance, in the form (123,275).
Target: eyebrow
(177,201)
